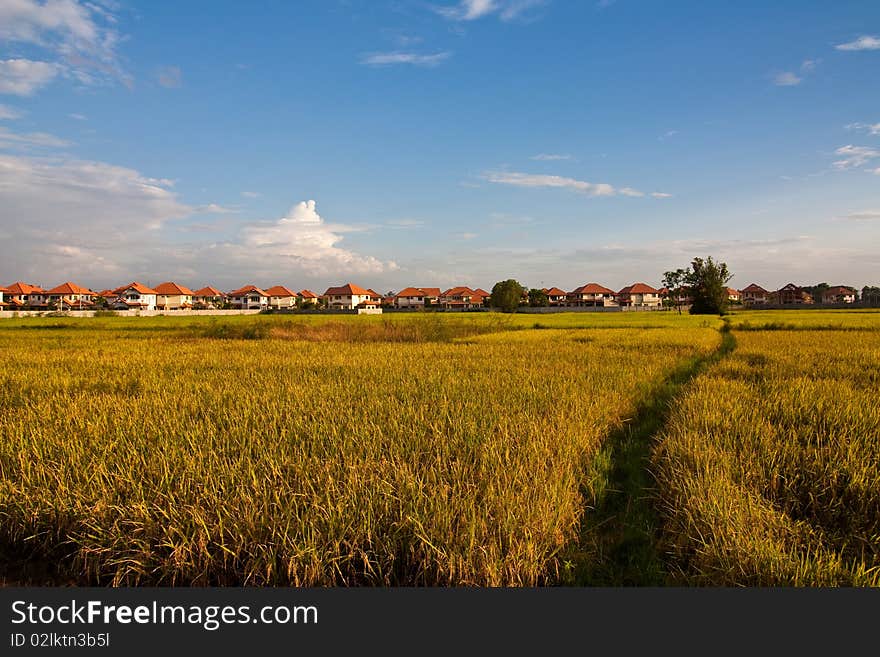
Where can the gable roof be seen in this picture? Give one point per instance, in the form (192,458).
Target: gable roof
(554,292)
(639,288)
(419,292)
(347,290)
(308,294)
(137,287)
(461,290)
(480,292)
(593,288)
(209,291)
(754,287)
(173,289)
(69,288)
(247,289)
(732,292)
(280,291)
(24,288)
(840,290)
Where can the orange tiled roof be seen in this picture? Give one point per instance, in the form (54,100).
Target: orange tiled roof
(280,291)
(592,288)
(69,288)
(348,289)
(419,292)
(554,292)
(170,288)
(638,288)
(308,294)
(24,288)
(247,289)
(752,287)
(137,287)
(208,292)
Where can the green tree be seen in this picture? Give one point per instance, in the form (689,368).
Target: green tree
(538,298)
(506,295)
(707,281)
(674,281)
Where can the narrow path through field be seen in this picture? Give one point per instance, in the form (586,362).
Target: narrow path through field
(617,544)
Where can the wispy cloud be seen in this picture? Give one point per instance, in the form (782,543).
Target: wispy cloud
(23,77)
(506,10)
(8,113)
(214,208)
(170,77)
(251,194)
(787,79)
(864,215)
(854,156)
(406,223)
(862,43)
(28,140)
(791,79)
(870,128)
(78,117)
(550,157)
(411,58)
(80,37)
(560,182)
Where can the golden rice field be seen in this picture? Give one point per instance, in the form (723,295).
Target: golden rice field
(769,468)
(415,450)
(426,449)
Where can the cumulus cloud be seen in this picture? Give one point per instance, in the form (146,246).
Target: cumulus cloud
(854,156)
(411,58)
(506,10)
(80,36)
(23,77)
(75,219)
(302,238)
(546,181)
(862,43)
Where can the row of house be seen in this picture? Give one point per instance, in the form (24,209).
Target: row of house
(791,294)
(173,296)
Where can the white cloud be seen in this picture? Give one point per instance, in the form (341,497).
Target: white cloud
(214,208)
(550,157)
(78,117)
(22,77)
(546,181)
(27,140)
(251,194)
(661,195)
(787,79)
(863,215)
(467,236)
(8,113)
(870,128)
(81,35)
(469,10)
(95,222)
(170,77)
(414,59)
(809,65)
(303,239)
(406,223)
(862,43)
(854,156)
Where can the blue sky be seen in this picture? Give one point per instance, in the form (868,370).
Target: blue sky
(401,142)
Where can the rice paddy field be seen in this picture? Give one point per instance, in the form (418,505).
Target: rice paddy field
(430,449)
